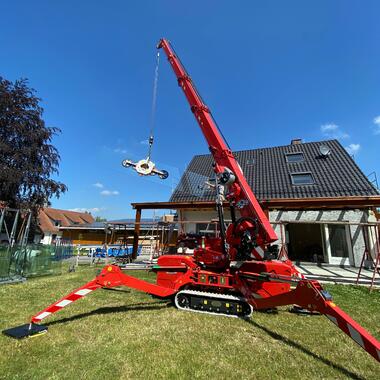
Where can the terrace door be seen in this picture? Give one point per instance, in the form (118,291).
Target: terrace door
(338,244)
(305,242)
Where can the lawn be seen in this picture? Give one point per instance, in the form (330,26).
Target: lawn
(127,334)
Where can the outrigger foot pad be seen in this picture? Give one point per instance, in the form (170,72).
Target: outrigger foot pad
(301,311)
(25,331)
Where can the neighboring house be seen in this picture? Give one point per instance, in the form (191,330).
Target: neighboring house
(111,232)
(304,188)
(80,228)
(52,223)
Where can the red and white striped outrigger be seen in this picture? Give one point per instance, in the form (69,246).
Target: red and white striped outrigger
(307,294)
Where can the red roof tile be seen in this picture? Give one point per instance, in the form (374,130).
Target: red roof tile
(49,216)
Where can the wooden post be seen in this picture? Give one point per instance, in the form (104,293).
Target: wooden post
(136,234)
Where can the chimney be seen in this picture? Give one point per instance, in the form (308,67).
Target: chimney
(296,142)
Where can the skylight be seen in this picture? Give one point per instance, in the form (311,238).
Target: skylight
(302,179)
(294,157)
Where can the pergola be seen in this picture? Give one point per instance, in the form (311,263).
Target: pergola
(359,202)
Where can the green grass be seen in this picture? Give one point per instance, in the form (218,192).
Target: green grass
(127,334)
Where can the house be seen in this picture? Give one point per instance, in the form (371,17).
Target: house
(116,232)
(317,199)
(80,228)
(52,223)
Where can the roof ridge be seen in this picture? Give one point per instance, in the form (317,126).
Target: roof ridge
(63,210)
(274,147)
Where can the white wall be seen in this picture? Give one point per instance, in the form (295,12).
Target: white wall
(190,216)
(354,232)
(46,239)
(48,236)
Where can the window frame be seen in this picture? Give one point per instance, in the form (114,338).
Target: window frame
(302,173)
(294,154)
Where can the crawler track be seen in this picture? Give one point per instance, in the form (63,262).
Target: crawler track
(213,303)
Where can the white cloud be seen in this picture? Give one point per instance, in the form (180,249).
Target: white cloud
(376,121)
(98,185)
(144,142)
(353,148)
(325,128)
(333,131)
(109,192)
(91,210)
(120,150)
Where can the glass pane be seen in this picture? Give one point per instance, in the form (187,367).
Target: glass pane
(205,228)
(296,157)
(338,241)
(302,179)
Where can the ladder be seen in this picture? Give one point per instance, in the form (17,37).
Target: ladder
(369,238)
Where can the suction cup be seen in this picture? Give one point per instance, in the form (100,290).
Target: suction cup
(164,174)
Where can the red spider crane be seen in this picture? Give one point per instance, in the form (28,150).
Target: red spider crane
(233,274)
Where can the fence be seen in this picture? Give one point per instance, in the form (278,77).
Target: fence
(32,260)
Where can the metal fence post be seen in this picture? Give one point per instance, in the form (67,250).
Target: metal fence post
(14,227)
(2,219)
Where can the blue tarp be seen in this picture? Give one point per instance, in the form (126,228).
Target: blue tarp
(117,252)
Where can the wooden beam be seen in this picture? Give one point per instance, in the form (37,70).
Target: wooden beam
(276,203)
(136,234)
(173,205)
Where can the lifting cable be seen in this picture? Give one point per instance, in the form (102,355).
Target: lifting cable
(146,166)
(154,103)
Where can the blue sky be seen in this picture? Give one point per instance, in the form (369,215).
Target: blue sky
(269,70)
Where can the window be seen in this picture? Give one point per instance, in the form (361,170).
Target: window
(338,240)
(57,223)
(205,228)
(294,157)
(250,161)
(302,179)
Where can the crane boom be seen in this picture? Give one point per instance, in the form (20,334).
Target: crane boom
(240,193)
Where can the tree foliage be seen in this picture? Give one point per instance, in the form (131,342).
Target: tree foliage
(100,219)
(27,157)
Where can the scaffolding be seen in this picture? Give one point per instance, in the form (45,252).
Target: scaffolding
(20,259)
(14,232)
(371,238)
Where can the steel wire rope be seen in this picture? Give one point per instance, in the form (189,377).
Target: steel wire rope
(154,105)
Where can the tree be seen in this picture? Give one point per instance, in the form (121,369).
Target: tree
(27,158)
(100,219)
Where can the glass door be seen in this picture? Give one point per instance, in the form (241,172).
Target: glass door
(338,244)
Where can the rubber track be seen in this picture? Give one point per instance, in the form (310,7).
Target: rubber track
(226,297)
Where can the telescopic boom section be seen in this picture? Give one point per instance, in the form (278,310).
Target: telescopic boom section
(242,194)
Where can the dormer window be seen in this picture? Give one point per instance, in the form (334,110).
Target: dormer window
(57,223)
(294,157)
